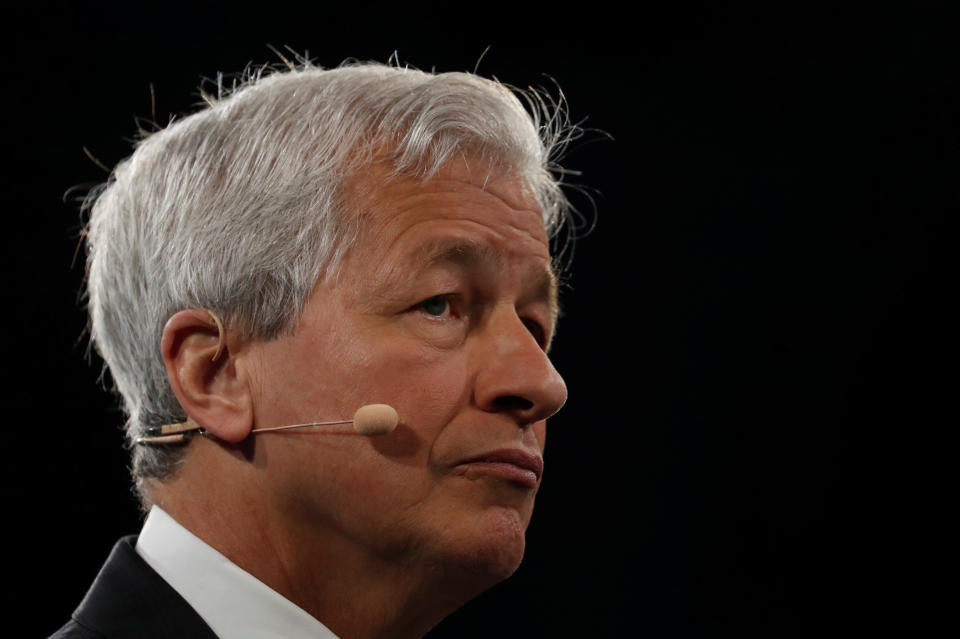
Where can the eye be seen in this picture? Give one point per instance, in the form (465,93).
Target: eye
(537,331)
(436,305)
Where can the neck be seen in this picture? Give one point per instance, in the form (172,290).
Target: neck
(353,591)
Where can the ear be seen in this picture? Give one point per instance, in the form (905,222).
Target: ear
(202,370)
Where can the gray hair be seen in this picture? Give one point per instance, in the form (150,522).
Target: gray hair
(238,208)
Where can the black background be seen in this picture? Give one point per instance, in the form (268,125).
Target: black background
(755,336)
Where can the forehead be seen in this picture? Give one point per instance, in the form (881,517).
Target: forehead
(462,204)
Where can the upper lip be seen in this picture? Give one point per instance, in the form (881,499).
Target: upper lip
(517,457)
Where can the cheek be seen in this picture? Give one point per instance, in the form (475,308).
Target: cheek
(426,386)
(306,376)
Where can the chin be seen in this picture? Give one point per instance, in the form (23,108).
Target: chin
(486,551)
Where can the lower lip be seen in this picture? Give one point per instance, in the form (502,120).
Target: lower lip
(504,470)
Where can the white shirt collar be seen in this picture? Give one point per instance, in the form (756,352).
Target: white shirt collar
(234,603)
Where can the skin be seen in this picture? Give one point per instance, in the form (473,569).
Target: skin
(444,308)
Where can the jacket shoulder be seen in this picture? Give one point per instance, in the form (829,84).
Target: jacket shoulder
(73,630)
(128,600)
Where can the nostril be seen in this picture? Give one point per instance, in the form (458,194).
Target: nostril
(513,402)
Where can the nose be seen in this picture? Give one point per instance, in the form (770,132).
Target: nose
(515,375)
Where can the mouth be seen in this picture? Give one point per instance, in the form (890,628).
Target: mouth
(512,464)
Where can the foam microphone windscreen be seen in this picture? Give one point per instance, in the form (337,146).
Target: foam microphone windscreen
(375,419)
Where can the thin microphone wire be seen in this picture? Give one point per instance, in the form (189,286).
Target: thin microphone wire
(266,430)
(178,433)
(371,419)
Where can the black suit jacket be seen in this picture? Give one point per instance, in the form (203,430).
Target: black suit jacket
(128,600)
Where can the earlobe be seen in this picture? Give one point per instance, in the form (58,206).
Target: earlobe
(203,373)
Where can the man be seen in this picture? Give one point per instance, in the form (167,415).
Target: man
(318,241)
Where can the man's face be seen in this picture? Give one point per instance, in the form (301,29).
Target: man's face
(443,309)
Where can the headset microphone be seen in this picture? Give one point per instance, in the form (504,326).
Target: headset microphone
(372,419)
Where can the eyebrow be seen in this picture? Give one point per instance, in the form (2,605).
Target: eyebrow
(469,254)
